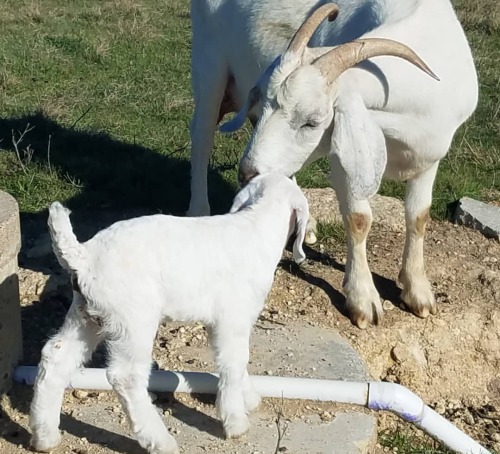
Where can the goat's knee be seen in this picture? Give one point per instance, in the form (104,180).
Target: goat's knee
(417,293)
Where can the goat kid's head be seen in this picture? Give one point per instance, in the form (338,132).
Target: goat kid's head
(298,99)
(286,192)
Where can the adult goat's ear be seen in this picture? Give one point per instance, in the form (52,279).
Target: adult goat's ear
(359,145)
(238,121)
(301,210)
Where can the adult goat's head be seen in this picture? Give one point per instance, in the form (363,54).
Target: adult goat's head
(298,99)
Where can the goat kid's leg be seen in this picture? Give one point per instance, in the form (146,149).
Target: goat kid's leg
(128,372)
(236,395)
(417,293)
(251,396)
(362,298)
(62,355)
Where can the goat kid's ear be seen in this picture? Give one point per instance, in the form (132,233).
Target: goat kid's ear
(247,196)
(241,199)
(301,219)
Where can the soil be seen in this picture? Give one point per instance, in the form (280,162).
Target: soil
(452,359)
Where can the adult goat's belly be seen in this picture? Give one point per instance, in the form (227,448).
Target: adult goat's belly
(404,163)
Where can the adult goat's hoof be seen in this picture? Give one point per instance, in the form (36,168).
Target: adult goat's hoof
(417,296)
(365,311)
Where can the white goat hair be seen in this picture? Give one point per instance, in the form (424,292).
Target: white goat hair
(381,117)
(129,277)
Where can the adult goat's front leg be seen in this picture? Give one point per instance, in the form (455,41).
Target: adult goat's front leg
(362,299)
(209,80)
(62,355)
(417,293)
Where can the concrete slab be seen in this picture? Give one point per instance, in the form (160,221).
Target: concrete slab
(10,310)
(291,350)
(480,216)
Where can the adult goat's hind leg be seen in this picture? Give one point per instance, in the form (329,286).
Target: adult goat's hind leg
(209,77)
(417,293)
(62,355)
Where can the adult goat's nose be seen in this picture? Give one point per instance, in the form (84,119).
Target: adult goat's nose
(245,175)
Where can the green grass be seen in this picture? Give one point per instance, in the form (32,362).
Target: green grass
(406,442)
(108,82)
(328,231)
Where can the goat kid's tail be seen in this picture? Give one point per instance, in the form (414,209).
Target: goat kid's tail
(69,252)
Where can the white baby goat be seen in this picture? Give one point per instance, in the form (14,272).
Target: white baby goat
(131,276)
(373,117)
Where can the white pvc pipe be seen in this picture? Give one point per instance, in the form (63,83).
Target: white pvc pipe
(374,395)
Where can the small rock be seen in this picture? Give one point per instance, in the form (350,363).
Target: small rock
(387,305)
(401,353)
(326,416)
(440,407)
(80,394)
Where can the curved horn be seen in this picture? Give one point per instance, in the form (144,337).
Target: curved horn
(303,35)
(336,61)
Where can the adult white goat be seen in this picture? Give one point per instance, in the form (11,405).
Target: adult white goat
(131,276)
(373,118)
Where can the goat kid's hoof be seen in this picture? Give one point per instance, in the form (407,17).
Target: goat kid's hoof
(365,314)
(45,443)
(252,401)
(236,427)
(163,451)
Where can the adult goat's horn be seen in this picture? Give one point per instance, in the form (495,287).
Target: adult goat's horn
(333,63)
(303,35)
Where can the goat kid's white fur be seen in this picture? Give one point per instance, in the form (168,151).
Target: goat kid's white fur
(381,118)
(133,275)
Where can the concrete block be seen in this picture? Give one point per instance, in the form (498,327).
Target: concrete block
(296,350)
(480,216)
(11,343)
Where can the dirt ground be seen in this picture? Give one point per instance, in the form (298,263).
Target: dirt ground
(452,360)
